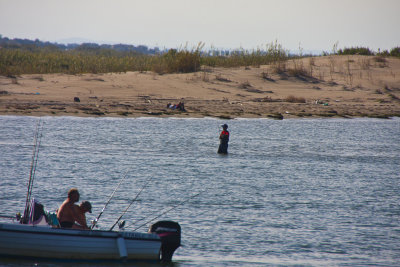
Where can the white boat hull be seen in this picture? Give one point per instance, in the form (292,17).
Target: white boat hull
(18,240)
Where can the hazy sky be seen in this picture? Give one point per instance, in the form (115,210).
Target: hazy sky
(309,24)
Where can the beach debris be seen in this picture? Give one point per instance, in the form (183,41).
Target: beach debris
(320,102)
(276,116)
(225,117)
(123,113)
(151,113)
(245,85)
(76,99)
(222,79)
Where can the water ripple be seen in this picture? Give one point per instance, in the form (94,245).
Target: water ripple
(294,192)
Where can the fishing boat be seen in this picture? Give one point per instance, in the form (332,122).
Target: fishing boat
(19,240)
(37,234)
(39,239)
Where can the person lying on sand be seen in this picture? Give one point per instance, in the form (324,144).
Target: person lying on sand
(180,106)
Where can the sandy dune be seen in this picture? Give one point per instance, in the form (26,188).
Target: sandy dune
(344,86)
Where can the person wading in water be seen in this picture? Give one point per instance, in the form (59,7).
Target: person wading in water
(223,139)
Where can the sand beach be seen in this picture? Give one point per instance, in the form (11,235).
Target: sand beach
(328,86)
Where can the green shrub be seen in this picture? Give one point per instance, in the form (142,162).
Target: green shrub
(395,52)
(355,51)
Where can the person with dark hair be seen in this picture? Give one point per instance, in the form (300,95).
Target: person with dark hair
(223,139)
(66,214)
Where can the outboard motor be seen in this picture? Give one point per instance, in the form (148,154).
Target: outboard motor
(170,234)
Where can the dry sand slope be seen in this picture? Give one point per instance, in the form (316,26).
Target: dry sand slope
(345,86)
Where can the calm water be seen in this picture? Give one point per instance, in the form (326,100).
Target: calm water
(315,192)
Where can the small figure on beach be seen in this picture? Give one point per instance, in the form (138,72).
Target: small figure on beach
(223,139)
(180,106)
(68,212)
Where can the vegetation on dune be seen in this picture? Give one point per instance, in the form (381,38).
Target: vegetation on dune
(17,61)
(272,53)
(394,52)
(89,58)
(174,61)
(35,57)
(355,51)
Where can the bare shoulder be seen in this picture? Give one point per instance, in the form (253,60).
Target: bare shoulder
(75,207)
(66,207)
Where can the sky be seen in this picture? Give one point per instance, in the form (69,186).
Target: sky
(309,25)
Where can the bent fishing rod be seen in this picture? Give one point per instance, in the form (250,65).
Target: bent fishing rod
(112,195)
(130,204)
(165,212)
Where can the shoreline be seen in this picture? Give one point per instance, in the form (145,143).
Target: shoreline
(166,114)
(205,117)
(334,87)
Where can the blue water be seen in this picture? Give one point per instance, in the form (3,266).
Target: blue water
(315,192)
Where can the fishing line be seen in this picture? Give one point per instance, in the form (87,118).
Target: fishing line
(112,195)
(165,212)
(130,204)
(7,217)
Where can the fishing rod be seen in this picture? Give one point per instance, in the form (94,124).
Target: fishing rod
(35,154)
(165,212)
(36,158)
(112,195)
(33,159)
(130,204)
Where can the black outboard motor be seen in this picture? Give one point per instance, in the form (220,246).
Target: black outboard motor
(170,234)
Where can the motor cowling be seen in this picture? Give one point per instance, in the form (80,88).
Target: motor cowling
(170,235)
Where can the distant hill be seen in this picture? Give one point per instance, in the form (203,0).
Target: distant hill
(18,43)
